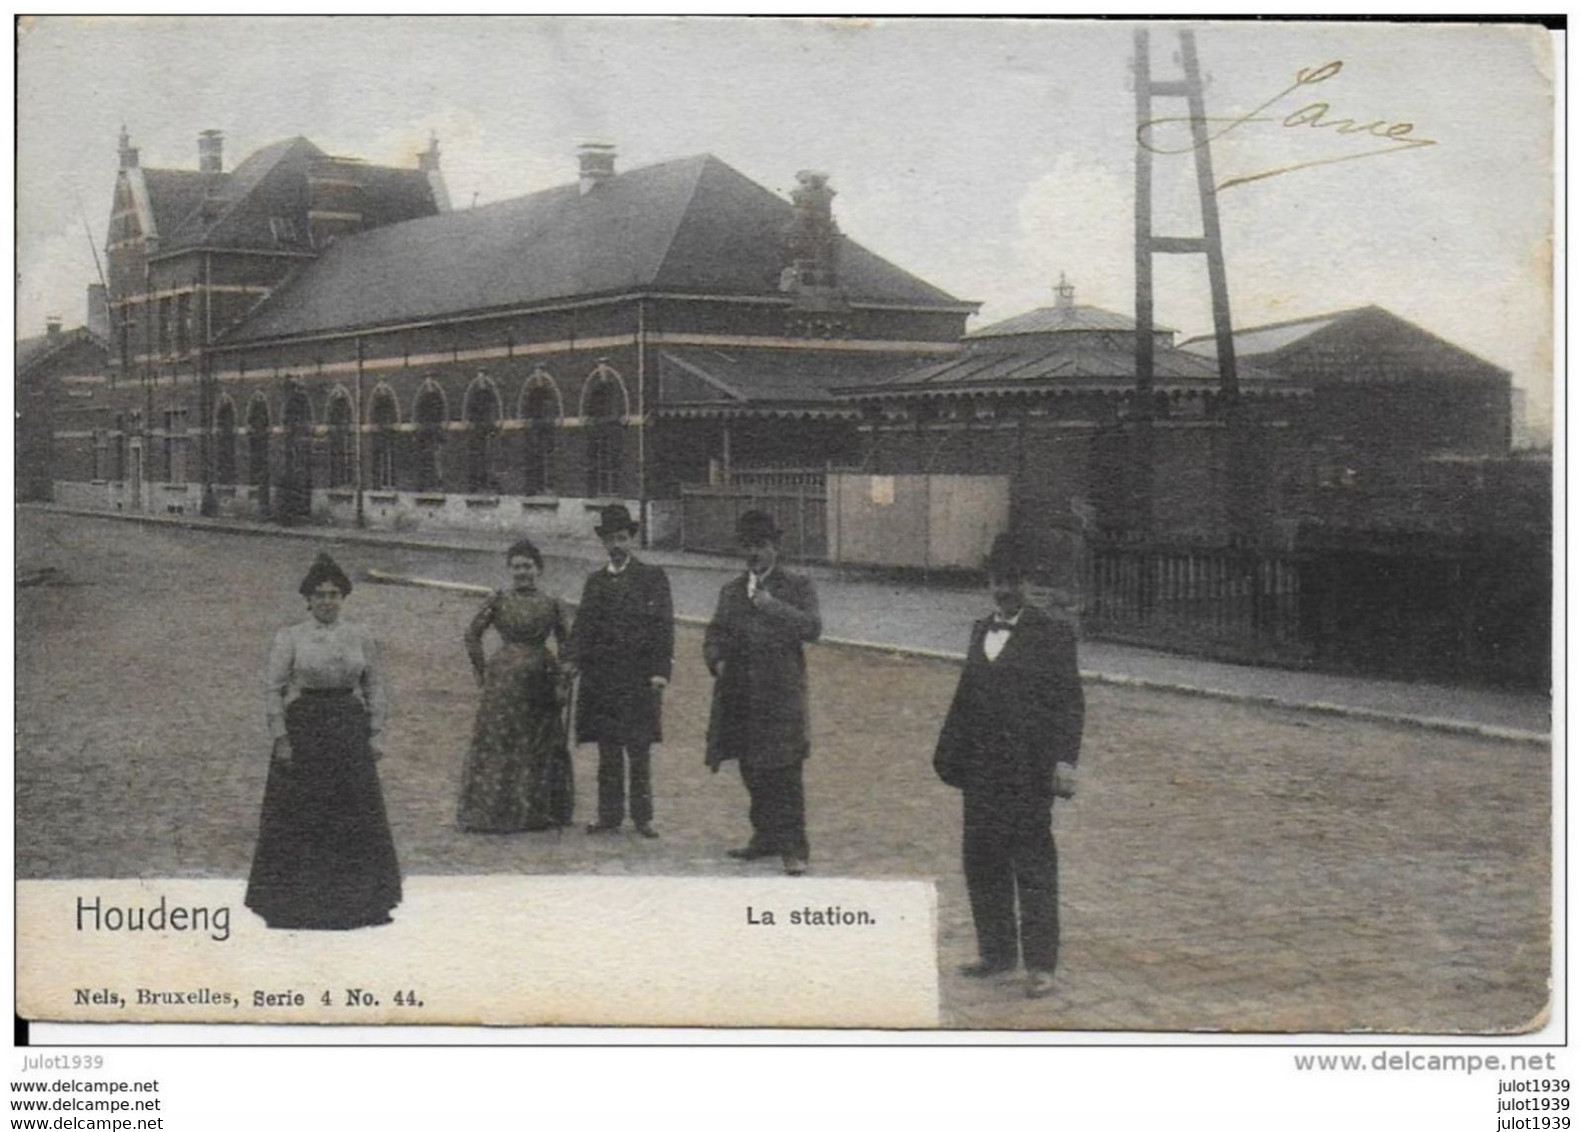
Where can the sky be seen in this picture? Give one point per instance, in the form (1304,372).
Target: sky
(986,156)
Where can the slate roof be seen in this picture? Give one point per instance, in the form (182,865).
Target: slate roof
(32,352)
(1267,339)
(269,185)
(699,381)
(693,225)
(1060,319)
(1362,344)
(1076,364)
(174,194)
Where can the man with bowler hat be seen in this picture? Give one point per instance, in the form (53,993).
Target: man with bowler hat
(1009,744)
(622,644)
(753,647)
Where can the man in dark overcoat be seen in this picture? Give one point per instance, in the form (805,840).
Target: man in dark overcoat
(622,644)
(1009,744)
(753,647)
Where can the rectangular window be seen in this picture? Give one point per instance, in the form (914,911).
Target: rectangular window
(173,451)
(183,317)
(165,319)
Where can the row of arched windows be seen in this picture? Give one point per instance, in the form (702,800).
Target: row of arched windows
(604,397)
(604,401)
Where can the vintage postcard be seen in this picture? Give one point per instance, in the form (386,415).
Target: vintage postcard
(913,525)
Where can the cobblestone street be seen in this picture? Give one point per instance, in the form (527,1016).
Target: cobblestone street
(1224,866)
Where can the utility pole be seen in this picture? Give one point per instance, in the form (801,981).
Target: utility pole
(1209,244)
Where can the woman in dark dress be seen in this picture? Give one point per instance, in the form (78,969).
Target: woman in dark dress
(325,858)
(518,772)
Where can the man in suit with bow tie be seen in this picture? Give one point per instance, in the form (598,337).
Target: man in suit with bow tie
(753,648)
(1009,744)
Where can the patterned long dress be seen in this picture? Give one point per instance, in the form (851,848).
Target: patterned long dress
(518,772)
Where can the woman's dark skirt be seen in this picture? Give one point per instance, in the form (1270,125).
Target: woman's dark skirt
(325,857)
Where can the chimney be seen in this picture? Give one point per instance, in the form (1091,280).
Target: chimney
(428,163)
(211,149)
(814,237)
(595,164)
(98,312)
(52,326)
(128,151)
(428,160)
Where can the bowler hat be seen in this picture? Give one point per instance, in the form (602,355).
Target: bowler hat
(613,519)
(755,527)
(324,569)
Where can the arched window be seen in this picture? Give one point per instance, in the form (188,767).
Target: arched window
(540,410)
(298,451)
(430,417)
(602,402)
(483,430)
(225,442)
(258,447)
(341,445)
(383,416)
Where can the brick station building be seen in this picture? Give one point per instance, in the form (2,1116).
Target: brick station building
(62,428)
(316,336)
(1048,399)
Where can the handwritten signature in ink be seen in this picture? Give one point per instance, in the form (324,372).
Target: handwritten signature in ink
(1399,137)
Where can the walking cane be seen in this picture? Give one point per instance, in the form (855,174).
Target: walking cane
(567,720)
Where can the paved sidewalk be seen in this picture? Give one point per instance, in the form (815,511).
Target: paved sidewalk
(876,612)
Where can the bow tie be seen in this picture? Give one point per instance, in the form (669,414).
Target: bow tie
(1003,624)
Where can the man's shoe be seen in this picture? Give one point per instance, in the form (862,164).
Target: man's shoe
(646,829)
(982,970)
(1040,984)
(749,853)
(603,827)
(794,866)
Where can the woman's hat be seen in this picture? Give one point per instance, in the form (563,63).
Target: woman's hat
(756,527)
(614,519)
(324,569)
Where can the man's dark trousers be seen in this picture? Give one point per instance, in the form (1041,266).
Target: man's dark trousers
(613,761)
(1007,851)
(778,809)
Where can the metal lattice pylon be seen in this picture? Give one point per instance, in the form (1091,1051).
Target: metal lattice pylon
(1148,244)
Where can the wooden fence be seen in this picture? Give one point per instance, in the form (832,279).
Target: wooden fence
(708,518)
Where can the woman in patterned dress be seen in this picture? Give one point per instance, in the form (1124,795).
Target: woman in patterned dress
(325,859)
(518,772)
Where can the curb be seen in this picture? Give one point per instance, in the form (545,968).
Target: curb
(341,536)
(319,534)
(1372,715)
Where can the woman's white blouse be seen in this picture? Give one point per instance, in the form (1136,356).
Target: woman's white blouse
(313,655)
